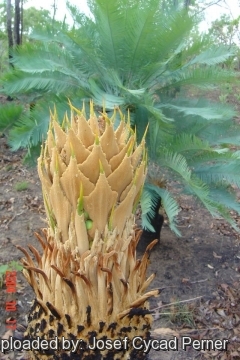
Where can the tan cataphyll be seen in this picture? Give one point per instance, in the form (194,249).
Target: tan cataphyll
(91,298)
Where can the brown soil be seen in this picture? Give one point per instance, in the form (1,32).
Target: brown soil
(199,273)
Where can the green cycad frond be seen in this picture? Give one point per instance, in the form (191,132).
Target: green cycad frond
(229,140)
(197,45)
(220,173)
(225,201)
(203,77)
(216,132)
(171,208)
(200,108)
(200,191)
(177,27)
(150,196)
(51,81)
(31,129)
(208,121)
(224,195)
(193,182)
(208,157)
(213,56)
(199,152)
(32,58)
(210,194)
(9,114)
(169,46)
(152,37)
(160,132)
(76,46)
(110,26)
(187,144)
(146,202)
(222,210)
(86,51)
(174,161)
(219,133)
(132,37)
(102,97)
(199,168)
(42,35)
(77,16)
(28,130)
(157,113)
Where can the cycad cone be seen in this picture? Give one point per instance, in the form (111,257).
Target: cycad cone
(88,283)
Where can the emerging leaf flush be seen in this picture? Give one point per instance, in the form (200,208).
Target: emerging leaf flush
(88,277)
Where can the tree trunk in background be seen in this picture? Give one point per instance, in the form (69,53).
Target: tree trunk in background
(17,23)
(54,6)
(21,34)
(175,3)
(17,38)
(10,34)
(9,25)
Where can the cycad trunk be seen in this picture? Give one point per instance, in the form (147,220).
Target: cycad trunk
(90,288)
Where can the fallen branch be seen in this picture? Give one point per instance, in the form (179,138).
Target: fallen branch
(12,218)
(198,281)
(176,303)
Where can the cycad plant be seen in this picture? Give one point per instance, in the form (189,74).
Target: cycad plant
(142,57)
(90,288)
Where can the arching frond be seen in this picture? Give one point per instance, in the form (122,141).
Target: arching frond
(224,195)
(34,125)
(9,114)
(187,144)
(38,58)
(146,202)
(200,108)
(151,194)
(47,81)
(174,161)
(213,56)
(203,77)
(206,158)
(227,172)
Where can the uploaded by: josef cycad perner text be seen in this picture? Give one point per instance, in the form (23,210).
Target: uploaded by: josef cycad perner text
(137,343)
